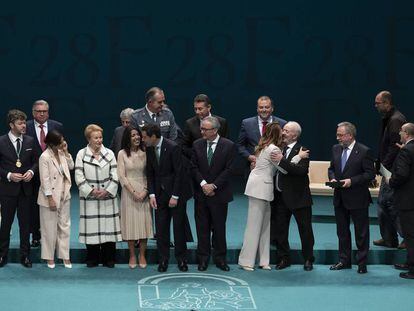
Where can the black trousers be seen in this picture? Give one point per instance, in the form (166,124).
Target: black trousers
(407,225)
(9,206)
(211,218)
(34,216)
(101,253)
(360,219)
(163,216)
(303,217)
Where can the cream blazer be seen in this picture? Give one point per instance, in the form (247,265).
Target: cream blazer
(54,181)
(260,182)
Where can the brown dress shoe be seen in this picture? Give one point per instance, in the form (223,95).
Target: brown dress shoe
(383,243)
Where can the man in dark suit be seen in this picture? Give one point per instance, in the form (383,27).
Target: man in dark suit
(168,194)
(212,160)
(202,109)
(18,165)
(38,129)
(252,128)
(293,197)
(116,141)
(402,181)
(353,167)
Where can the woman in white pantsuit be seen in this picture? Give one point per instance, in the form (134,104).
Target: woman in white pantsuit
(259,189)
(54,199)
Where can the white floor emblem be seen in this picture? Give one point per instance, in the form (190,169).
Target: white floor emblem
(194,291)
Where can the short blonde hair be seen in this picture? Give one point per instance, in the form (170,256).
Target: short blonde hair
(90,129)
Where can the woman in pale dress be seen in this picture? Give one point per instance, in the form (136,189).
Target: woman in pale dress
(259,189)
(54,199)
(136,221)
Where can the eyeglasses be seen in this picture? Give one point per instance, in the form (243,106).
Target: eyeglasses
(41,111)
(203,129)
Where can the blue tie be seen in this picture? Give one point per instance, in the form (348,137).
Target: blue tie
(343,158)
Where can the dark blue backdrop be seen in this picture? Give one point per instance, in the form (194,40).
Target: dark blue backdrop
(322,62)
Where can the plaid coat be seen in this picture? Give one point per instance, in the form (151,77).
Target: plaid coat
(99,218)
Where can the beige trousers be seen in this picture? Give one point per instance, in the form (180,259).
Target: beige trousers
(257,234)
(55,231)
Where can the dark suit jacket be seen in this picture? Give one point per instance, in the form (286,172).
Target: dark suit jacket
(116,141)
(249,135)
(8,159)
(164,179)
(402,179)
(295,184)
(217,173)
(192,130)
(31,131)
(360,169)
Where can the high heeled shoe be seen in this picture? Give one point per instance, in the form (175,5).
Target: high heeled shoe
(51,265)
(67,264)
(247,268)
(132,265)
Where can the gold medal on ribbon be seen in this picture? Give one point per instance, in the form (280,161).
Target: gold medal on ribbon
(18,163)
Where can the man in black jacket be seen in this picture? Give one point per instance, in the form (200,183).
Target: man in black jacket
(293,197)
(352,166)
(402,181)
(388,219)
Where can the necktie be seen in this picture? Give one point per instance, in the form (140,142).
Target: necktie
(42,137)
(18,147)
(210,152)
(285,152)
(157,153)
(264,123)
(344,158)
(154,117)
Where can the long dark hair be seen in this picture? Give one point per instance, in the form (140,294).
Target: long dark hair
(126,140)
(53,138)
(272,135)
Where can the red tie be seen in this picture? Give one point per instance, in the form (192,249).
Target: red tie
(42,137)
(264,123)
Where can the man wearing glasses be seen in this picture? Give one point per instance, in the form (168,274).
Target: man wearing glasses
(154,112)
(38,129)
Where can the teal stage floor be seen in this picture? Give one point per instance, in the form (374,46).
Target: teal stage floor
(122,289)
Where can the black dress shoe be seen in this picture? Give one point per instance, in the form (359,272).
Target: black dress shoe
(407,275)
(26,262)
(202,266)
(223,266)
(182,266)
(91,264)
(109,264)
(3,261)
(283,264)
(163,266)
(383,243)
(340,266)
(362,269)
(35,243)
(401,266)
(308,266)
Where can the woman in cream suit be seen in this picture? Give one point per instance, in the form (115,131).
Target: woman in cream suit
(54,199)
(259,189)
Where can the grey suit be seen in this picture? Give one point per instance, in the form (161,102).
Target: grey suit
(165,120)
(116,142)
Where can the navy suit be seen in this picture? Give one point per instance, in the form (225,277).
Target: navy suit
(211,212)
(352,202)
(165,179)
(16,196)
(249,135)
(31,131)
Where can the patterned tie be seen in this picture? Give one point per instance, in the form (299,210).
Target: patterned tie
(264,123)
(344,158)
(210,151)
(42,137)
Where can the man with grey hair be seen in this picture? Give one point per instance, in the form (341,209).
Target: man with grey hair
(38,129)
(402,181)
(125,117)
(351,171)
(211,164)
(388,219)
(154,112)
(293,197)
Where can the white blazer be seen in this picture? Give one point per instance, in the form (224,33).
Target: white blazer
(54,181)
